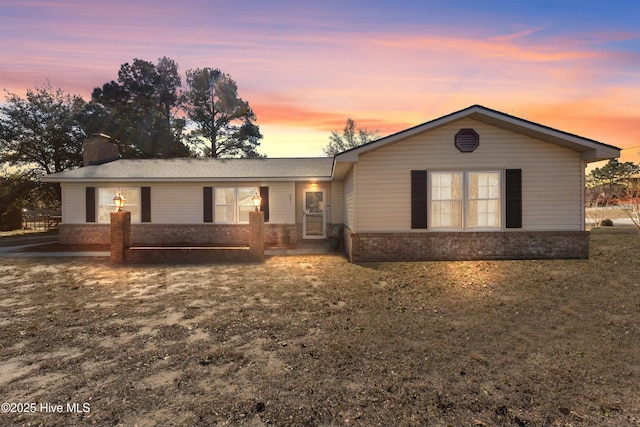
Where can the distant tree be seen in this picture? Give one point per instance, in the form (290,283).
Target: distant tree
(611,175)
(613,184)
(222,120)
(42,132)
(139,111)
(631,202)
(351,137)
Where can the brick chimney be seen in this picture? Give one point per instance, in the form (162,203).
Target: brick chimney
(97,150)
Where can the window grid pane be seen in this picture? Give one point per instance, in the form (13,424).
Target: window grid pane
(233,204)
(225,204)
(484,200)
(106,204)
(245,204)
(446,205)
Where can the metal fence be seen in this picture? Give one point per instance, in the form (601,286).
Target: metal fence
(40,219)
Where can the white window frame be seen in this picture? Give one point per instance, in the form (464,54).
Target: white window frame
(466,200)
(105,204)
(239,206)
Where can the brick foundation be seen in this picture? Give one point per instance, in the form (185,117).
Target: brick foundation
(160,234)
(364,247)
(84,234)
(189,255)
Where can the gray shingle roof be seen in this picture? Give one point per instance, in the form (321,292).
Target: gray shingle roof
(279,169)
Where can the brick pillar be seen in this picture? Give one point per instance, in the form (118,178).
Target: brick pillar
(120,236)
(256,235)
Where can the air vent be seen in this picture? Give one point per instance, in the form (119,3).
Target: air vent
(467,140)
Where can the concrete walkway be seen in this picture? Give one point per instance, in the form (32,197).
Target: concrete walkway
(15,252)
(28,239)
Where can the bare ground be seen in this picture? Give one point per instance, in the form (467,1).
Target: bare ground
(318,341)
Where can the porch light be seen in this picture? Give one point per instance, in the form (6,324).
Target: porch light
(256,200)
(119,201)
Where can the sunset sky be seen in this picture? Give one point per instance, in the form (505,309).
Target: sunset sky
(306,66)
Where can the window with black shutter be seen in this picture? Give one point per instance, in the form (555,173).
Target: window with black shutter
(419,199)
(90,204)
(207,205)
(513,198)
(264,202)
(145,204)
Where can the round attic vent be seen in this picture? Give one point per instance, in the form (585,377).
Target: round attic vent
(467,140)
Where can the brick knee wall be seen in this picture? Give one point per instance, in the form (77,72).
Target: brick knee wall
(177,255)
(363,247)
(84,234)
(159,234)
(189,234)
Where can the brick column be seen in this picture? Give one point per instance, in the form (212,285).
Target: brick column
(120,236)
(256,235)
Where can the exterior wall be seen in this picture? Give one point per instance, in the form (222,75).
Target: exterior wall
(366,247)
(176,203)
(176,216)
(188,255)
(73,203)
(181,203)
(350,200)
(83,234)
(336,213)
(551,177)
(159,234)
(282,203)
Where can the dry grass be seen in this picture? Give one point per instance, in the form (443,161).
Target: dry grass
(317,341)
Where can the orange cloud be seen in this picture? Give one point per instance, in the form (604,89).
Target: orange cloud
(289,114)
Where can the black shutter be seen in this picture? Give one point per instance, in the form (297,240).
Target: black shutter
(419,199)
(207,197)
(514,198)
(264,203)
(90,204)
(145,208)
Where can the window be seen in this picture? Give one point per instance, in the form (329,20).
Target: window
(446,200)
(106,205)
(465,200)
(484,200)
(233,204)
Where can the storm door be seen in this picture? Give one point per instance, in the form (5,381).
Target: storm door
(313,226)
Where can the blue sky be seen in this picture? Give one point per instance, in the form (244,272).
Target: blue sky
(305,68)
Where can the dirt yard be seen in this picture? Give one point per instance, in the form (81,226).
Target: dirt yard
(317,341)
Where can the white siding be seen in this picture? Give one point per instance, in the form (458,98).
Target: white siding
(73,203)
(176,203)
(350,200)
(282,208)
(551,176)
(336,215)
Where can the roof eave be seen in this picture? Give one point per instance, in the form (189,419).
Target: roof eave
(202,179)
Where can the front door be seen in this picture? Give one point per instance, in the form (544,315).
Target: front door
(313,226)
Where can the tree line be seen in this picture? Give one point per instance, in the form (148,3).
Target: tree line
(146,111)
